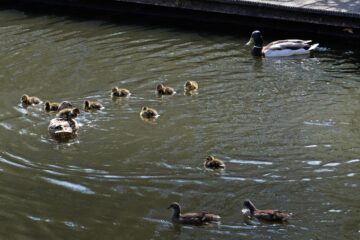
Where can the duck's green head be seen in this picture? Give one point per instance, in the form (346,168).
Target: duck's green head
(256,38)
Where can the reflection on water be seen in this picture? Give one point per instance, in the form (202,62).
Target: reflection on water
(287,129)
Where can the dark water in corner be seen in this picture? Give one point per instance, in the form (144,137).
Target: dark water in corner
(287,129)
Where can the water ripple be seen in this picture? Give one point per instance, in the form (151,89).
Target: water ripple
(69,185)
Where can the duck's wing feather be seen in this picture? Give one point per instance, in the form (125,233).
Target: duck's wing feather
(292,44)
(272,215)
(198,218)
(192,218)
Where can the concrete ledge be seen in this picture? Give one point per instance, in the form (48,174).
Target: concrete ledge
(332,22)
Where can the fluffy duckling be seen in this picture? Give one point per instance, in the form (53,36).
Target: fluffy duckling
(120,92)
(147,112)
(191,86)
(164,90)
(89,105)
(265,215)
(196,218)
(214,163)
(30,100)
(51,106)
(64,105)
(68,113)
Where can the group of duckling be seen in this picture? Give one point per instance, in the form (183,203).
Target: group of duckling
(65,126)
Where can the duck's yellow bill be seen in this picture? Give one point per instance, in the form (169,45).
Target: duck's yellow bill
(249,42)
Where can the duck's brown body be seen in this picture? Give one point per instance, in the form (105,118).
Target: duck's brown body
(89,105)
(147,112)
(164,90)
(214,163)
(265,215)
(30,100)
(196,218)
(120,92)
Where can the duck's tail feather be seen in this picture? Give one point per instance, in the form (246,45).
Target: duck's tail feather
(312,47)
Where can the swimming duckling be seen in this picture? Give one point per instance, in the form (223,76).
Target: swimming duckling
(214,163)
(197,218)
(64,105)
(51,106)
(68,113)
(27,100)
(120,92)
(147,112)
(163,90)
(265,215)
(191,86)
(89,105)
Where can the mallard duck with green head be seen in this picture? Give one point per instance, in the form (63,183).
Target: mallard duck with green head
(281,48)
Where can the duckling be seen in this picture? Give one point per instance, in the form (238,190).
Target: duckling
(147,112)
(265,215)
(163,90)
(120,92)
(64,105)
(89,105)
(68,113)
(51,106)
(191,86)
(30,100)
(197,218)
(214,163)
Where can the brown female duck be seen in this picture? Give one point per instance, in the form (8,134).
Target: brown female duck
(120,92)
(214,163)
(265,215)
(197,218)
(191,86)
(30,100)
(164,90)
(147,112)
(89,105)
